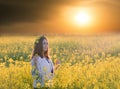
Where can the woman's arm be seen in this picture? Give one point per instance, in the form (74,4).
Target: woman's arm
(33,68)
(38,66)
(52,66)
(52,71)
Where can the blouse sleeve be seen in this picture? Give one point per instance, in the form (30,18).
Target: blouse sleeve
(52,66)
(37,71)
(41,75)
(33,68)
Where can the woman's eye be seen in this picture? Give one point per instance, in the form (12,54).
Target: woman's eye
(45,43)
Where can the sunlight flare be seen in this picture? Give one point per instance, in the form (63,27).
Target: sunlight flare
(81,18)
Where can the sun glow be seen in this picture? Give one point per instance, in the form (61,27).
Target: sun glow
(78,17)
(81,18)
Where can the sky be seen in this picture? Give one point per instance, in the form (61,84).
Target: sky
(57,16)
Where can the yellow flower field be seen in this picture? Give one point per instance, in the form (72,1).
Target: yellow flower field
(87,62)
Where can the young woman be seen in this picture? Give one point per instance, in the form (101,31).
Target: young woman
(42,65)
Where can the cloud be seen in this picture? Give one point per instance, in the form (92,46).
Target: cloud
(19,12)
(13,11)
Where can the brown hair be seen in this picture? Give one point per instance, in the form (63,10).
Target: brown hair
(38,48)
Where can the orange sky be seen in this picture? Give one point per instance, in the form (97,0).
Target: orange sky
(53,17)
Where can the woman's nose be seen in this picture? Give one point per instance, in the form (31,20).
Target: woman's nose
(46,45)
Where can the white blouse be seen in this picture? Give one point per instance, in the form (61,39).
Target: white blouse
(45,70)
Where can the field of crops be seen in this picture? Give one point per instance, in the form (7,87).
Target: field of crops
(87,62)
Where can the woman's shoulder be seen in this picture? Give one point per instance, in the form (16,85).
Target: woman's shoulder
(35,58)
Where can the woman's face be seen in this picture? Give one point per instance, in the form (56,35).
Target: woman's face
(45,45)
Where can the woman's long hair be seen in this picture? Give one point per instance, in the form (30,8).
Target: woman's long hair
(38,48)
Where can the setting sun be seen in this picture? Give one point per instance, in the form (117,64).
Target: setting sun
(78,17)
(81,18)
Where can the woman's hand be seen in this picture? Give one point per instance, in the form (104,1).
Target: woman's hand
(57,64)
